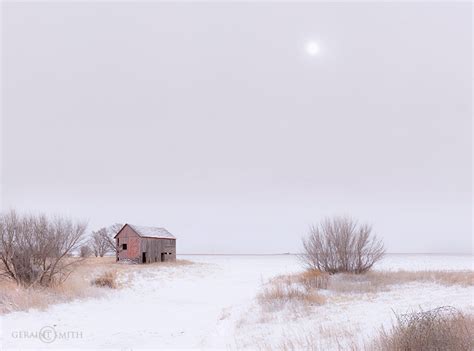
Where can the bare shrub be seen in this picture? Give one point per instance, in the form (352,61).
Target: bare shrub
(340,244)
(440,329)
(34,249)
(106,280)
(85,251)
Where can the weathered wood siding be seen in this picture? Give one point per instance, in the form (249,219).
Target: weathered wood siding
(128,236)
(155,249)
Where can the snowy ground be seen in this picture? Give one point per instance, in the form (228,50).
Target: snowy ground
(211,304)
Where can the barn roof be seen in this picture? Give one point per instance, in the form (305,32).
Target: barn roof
(150,232)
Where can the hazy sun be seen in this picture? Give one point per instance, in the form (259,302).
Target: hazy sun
(312,48)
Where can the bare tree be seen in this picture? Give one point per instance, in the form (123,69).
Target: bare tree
(99,242)
(85,251)
(102,240)
(340,244)
(111,232)
(34,249)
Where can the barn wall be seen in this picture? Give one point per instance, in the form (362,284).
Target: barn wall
(132,239)
(171,247)
(137,245)
(154,247)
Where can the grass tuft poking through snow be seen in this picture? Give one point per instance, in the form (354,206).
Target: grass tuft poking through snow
(439,329)
(378,281)
(304,287)
(106,280)
(289,289)
(295,299)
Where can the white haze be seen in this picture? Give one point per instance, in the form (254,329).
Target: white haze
(213,121)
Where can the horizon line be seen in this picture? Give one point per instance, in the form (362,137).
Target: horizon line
(296,253)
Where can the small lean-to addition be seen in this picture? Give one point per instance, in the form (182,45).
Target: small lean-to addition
(145,244)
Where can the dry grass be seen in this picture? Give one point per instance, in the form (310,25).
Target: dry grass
(376,281)
(291,297)
(313,279)
(304,289)
(106,280)
(312,338)
(77,286)
(313,342)
(441,329)
(171,263)
(290,289)
(463,278)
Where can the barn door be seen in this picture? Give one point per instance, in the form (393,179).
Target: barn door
(144,257)
(163,258)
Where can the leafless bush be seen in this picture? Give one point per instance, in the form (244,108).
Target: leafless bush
(85,251)
(340,244)
(106,280)
(34,249)
(440,329)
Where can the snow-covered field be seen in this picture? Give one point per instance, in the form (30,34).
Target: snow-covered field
(211,304)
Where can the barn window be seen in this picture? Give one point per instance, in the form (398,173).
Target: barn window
(124,246)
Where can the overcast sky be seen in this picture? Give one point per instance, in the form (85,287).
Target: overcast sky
(214,121)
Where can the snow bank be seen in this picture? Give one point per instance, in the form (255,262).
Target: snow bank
(211,304)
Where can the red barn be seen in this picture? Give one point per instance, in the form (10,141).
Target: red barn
(145,244)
